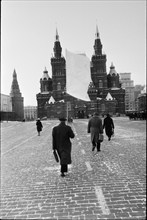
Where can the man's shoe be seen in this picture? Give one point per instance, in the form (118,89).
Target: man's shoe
(62,174)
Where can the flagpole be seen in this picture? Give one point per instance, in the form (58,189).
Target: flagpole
(66,107)
(67,111)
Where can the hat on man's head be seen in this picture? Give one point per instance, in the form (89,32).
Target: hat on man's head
(62,119)
(96,114)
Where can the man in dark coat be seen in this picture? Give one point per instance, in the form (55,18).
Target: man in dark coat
(109,126)
(95,128)
(61,142)
(39,126)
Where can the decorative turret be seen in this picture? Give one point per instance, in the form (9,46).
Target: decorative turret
(46,82)
(112,70)
(45,75)
(113,78)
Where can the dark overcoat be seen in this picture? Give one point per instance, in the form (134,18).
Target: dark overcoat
(39,125)
(108,125)
(61,142)
(95,128)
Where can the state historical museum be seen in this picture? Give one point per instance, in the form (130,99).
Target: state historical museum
(104,90)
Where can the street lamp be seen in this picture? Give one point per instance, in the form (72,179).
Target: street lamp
(98,99)
(76,107)
(85,112)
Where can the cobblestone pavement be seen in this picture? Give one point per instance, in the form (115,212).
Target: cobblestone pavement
(110,184)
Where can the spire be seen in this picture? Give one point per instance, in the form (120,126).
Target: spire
(97,43)
(57,47)
(15,91)
(97,35)
(57,36)
(14,74)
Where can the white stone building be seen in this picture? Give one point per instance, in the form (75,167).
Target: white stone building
(5,103)
(30,113)
(128,85)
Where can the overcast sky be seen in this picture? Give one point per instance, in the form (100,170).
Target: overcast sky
(28,35)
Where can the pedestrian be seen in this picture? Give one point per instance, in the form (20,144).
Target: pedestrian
(109,126)
(95,128)
(61,135)
(39,126)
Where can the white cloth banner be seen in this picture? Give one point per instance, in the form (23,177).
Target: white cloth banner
(77,75)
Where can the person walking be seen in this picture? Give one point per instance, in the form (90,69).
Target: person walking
(95,128)
(39,126)
(61,135)
(109,126)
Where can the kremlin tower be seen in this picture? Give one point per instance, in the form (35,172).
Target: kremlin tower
(16,99)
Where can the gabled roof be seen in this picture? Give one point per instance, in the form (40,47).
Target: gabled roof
(109,97)
(51,100)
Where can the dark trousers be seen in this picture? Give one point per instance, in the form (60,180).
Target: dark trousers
(64,168)
(98,145)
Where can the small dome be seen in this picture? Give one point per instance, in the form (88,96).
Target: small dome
(45,74)
(112,70)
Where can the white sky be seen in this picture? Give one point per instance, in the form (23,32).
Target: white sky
(28,34)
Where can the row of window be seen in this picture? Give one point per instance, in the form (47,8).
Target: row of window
(100,84)
(98,71)
(59,73)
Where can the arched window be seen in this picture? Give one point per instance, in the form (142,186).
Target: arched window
(100,83)
(45,87)
(103,107)
(58,86)
(114,85)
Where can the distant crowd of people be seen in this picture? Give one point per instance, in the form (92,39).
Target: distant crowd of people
(137,115)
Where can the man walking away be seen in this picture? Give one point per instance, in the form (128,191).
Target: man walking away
(61,135)
(109,126)
(39,126)
(95,128)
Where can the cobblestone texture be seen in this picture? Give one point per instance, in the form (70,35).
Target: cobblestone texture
(31,186)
